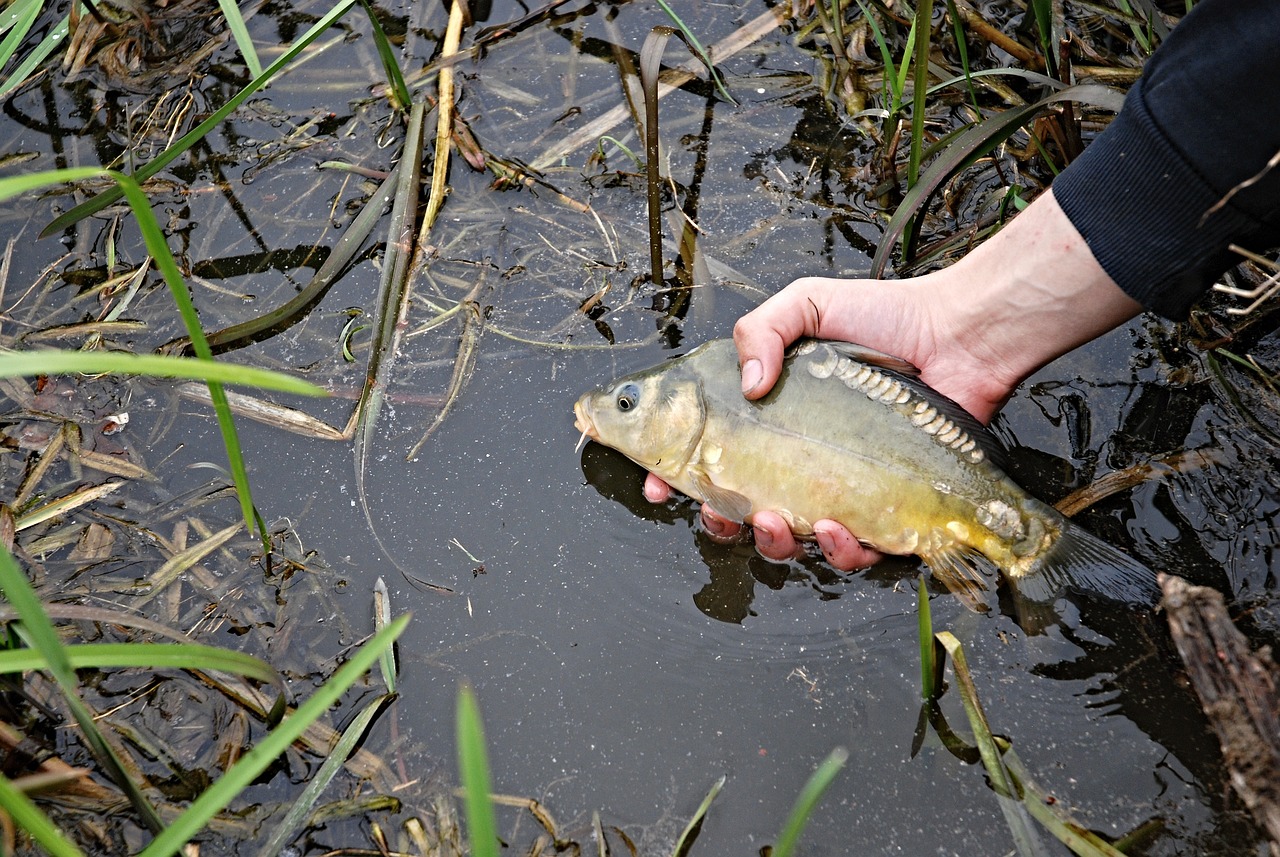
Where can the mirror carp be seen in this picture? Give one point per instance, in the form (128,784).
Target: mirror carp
(853,435)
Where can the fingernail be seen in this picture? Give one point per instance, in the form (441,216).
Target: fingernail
(715,526)
(752,375)
(764,538)
(825,542)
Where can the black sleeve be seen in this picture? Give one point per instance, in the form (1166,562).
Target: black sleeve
(1203,118)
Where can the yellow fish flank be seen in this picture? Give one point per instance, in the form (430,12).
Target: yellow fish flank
(852,435)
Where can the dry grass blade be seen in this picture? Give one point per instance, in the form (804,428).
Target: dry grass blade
(184,560)
(444,120)
(65,504)
(36,474)
(269,413)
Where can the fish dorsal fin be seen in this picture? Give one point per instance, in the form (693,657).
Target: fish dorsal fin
(872,357)
(728,503)
(893,380)
(959,568)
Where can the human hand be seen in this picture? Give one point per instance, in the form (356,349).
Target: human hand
(975,330)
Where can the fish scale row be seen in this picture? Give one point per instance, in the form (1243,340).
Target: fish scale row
(882,387)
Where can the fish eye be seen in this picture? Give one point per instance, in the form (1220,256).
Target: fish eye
(628,396)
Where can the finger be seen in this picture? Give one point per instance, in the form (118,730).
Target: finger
(773,537)
(655,490)
(762,335)
(841,549)
(718,527)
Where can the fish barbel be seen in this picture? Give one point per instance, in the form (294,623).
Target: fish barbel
(853,435)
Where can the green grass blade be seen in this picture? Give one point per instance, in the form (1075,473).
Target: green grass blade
(16,364)
(27,815)
(920,63)
(182,656)
(400,98)
(251,765)
(977,718)
(973,143)
(301,808)
(886,56)
(240,32)
(932,662)
(54,39)
(698,50)
(807,800)
(38,632)
(1042,10)
(685,842)
(1070,833)
(169,155)
(17,20)
(473,773)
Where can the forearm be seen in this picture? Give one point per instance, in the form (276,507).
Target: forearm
(1031,293)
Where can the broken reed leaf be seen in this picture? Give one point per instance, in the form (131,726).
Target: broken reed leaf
(976,141)
(282,317)
(381,619)
(300,811)
(690,832)
(748,34)
(38,632)
(473,774)
(650,64)
(464,363)
(251,765)
(96,203)
(392,308)
(807,801)
(932,658)
(1040,806)
(444,121)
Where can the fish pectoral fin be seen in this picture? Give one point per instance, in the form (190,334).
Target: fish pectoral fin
(960,570)
(728,503)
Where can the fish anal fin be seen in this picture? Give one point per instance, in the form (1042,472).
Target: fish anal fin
(960,568)
(728,503)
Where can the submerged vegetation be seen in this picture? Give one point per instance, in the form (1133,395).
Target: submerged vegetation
(172,618)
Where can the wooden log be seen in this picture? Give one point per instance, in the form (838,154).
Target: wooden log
(1238,692)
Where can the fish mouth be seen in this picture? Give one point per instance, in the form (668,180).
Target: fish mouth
(582,422)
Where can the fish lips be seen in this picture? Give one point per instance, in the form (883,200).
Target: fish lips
(583,422)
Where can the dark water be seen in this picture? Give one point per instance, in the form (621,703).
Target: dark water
(624,662)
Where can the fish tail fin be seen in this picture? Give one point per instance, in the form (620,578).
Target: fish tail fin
(960,570)
(1080,560)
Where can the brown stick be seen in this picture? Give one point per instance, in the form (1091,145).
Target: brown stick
(1238,692)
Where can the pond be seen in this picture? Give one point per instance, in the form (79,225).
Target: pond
(623,661)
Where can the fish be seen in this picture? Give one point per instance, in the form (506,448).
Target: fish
(851,434)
